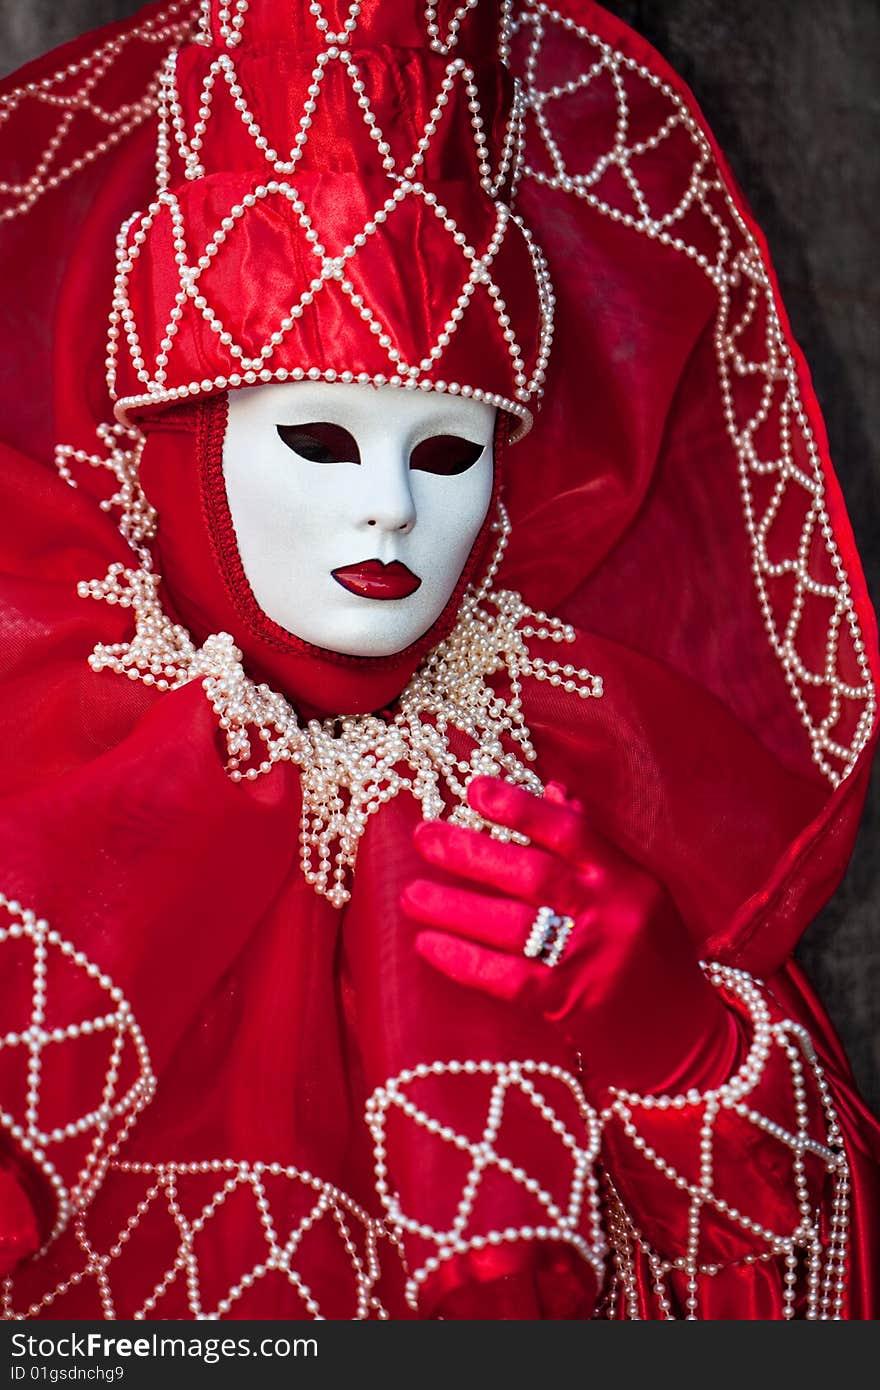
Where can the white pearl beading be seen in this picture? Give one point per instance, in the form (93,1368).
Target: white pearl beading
(814,1263)
(169,27)
(811,1259)
(548,936)
(71,1177)
(834,752)
(232,19)
(576,1222)
(121,451)
(440,42)
(176,1190)
(350,767)
(221,82)
(826,1283)
(739,263)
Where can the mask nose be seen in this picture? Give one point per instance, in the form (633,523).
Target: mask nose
(389,505)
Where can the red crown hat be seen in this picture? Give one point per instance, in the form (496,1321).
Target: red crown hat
(333,203)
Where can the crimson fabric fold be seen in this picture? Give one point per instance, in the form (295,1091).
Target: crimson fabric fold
(674,501)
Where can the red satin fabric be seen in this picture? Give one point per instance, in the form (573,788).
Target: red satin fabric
(271,1017)
(19,1231)
(419,251)
(415,262)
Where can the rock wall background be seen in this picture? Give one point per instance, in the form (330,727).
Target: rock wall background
(792,90)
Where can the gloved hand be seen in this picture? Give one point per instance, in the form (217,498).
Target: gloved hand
(627,992)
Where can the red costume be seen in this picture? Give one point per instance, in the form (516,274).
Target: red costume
(242,1078)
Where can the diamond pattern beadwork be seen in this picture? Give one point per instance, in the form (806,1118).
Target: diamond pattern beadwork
(71,1145)
(780,472)
(801,583)
(556,1098)
(814,1253)
(201,1235)
(778,461)
(155,366)
(75,93)
(291,1209)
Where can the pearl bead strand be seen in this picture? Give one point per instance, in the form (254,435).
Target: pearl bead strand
(737,262)
(171,26)
(162,384)
(576,1223)
(823,1259)
(351,767)
(72,1181)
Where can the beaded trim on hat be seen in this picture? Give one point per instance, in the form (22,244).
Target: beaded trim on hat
(154,365)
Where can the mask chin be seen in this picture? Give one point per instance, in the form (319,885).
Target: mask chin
(205,588)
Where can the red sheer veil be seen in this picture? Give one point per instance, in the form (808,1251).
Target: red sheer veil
(674,494)
(670,495)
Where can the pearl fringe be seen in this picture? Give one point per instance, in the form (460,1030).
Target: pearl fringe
(350,766)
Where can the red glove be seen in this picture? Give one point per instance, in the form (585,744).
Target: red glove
(627,992)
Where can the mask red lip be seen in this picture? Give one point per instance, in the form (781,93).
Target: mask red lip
(373,579)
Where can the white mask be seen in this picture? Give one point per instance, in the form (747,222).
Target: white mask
(365,483)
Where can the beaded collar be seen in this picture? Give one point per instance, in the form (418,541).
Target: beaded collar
(449,725)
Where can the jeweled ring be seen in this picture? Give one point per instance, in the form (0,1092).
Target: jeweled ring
(548,936)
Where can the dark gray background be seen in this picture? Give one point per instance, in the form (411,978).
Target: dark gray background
(792,90)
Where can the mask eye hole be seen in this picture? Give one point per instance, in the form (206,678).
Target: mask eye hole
(445,454)
(320,442)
